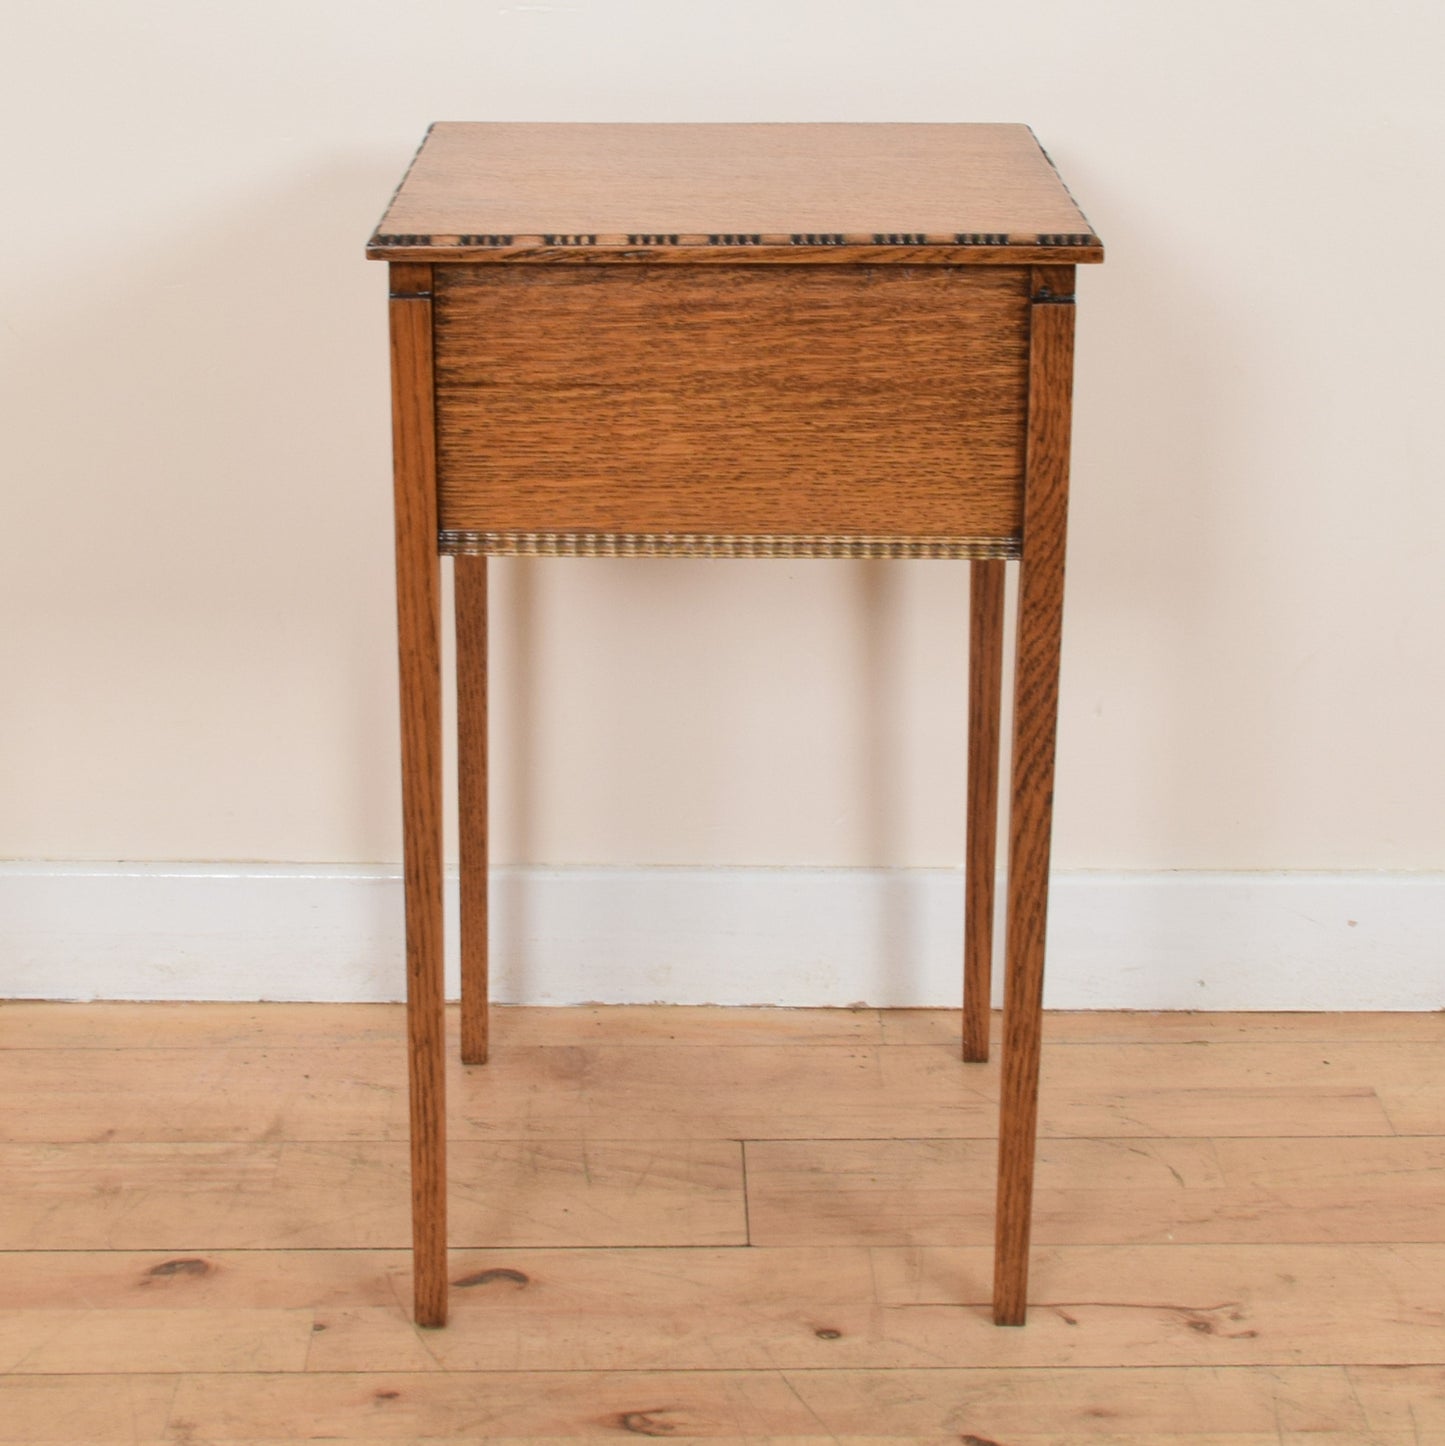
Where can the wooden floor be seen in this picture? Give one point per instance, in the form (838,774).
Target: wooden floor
(731,1225)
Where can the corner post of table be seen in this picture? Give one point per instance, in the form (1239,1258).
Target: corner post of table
(469,578)
(985,701)
(1035,725)
(418,604)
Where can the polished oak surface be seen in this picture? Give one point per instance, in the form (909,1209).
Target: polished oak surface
(904,193)
(867,401)
(777,340)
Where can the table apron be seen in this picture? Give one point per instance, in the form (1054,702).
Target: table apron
(820,411)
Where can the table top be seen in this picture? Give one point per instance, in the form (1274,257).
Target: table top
(906,193)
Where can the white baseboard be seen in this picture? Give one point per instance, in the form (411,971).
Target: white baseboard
(722,936)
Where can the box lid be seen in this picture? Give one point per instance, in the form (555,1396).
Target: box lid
(914,193)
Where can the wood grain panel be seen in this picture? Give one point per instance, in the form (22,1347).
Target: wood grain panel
(899,192)
(836,402)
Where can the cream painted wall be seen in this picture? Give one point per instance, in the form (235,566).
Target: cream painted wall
(194,527)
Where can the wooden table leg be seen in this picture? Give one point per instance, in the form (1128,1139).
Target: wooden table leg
(1036,705)
(985,699)
(470,584)
(418,605)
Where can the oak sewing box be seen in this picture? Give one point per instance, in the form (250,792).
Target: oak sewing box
(782,340)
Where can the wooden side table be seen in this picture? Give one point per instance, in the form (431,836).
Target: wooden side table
(728,341)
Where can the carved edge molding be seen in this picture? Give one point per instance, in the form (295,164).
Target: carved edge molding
(693,544)
(703,239)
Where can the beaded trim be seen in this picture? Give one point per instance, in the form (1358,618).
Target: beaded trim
(696,544)
(802,239)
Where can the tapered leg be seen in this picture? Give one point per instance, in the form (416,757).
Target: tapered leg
(470,581)
(418,605)
(985,698)
(1036,702)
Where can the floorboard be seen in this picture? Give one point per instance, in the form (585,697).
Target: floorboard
(720,1226)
